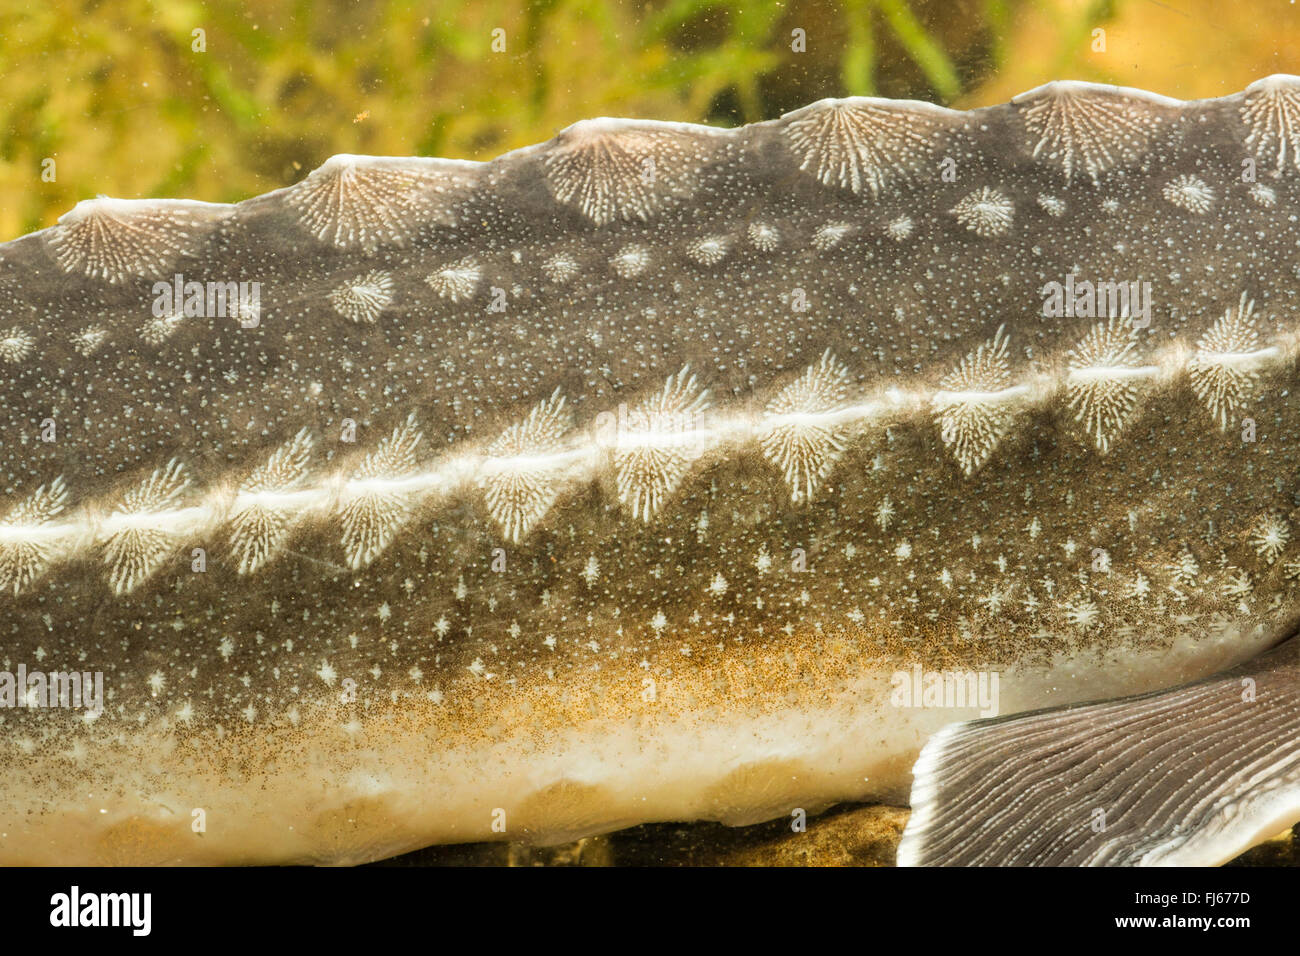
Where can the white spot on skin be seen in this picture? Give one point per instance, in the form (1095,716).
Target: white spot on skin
(986,212)
(885,513)
(1190,193)
(15,345)
(1237,584)
(993,600)
(899,228)
(830,235)
(364,298)
(1185,570)
(158,328)
(1082,614)
(457,281)
(631,261)
(88,341)
(1051,205)
(561,268)
(1263,195)
(710,250)
(764,237)
(1270,536)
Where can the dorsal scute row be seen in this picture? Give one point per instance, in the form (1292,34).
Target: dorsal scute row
(607,171)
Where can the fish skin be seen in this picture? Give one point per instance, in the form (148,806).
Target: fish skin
(620,668)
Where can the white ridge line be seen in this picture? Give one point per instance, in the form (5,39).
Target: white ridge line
(587,453)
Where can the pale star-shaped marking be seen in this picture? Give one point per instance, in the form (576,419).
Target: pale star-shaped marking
(993,600)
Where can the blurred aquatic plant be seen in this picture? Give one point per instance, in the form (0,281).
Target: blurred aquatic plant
(127,99)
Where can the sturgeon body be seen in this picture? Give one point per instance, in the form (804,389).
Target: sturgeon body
(657,472)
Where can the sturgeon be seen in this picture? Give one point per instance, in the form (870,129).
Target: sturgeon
(659,472)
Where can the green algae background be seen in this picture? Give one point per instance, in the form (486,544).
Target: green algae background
(127,100)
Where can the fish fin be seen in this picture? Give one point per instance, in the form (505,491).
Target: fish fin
(1189,776)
